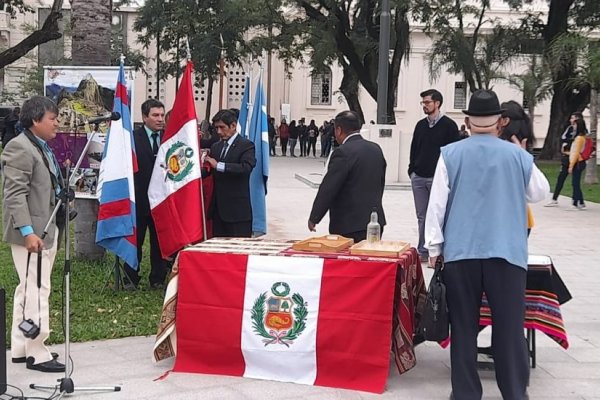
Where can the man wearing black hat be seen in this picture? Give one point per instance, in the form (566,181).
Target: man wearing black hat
(477,221)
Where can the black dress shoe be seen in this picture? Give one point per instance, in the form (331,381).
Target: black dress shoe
(21,360)
(157,285)
(48,366)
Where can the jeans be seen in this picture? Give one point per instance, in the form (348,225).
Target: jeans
(303,147)
(421,188)
(284,143)
(326,143)
(293,146)
(577,193)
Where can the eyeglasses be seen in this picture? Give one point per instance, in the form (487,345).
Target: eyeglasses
(426,102)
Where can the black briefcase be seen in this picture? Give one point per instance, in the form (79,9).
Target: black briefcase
(435,324)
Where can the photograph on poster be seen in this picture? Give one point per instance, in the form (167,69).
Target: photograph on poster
(83,93)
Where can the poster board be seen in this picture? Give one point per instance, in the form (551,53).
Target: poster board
(82,93)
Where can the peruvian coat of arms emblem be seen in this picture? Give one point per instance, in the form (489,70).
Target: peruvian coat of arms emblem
(178,161)
(279,318)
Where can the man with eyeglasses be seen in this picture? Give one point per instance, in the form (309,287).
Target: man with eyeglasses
(431,133)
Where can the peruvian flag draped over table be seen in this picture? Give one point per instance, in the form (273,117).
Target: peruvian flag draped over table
(174,191)
(294,319)
(116,230)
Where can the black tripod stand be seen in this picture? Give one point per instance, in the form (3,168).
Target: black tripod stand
(66,385)
(117,271)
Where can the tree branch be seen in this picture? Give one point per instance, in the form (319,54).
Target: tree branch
(47,33)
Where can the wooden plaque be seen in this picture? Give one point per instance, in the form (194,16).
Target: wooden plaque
(324,244)
(383,248)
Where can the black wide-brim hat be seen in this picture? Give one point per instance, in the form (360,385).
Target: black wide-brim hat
(484,103)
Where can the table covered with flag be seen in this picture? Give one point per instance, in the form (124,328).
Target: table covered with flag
(255,308)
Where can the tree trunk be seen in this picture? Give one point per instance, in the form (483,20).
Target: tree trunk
(560,108)
(91,31)
(91,21)
(349,88)
(49,31)
(564,103)
(591,173)
(209,94)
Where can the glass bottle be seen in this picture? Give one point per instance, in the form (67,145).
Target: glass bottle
(373,228)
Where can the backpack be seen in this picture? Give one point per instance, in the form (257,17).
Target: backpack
(588,149)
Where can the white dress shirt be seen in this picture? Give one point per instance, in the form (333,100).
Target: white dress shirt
(537,190)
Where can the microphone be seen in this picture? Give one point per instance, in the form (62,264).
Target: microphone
(113,116)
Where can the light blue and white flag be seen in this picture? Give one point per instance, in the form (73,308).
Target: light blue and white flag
(245,111)
(258,133)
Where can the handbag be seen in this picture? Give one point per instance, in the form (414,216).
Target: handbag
(435,324)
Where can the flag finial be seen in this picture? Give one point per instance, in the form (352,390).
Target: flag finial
(122,58)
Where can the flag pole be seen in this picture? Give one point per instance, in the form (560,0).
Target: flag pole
(202,156)
(221,72)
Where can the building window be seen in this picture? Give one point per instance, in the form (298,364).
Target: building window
(531,46)
(320,89)
(460,95)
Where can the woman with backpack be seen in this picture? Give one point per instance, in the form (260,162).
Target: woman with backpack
(577,163)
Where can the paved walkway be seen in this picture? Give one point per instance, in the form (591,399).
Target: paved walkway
(572,238)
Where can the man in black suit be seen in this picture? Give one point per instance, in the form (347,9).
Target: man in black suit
(147,141)
(354,182)
(233,160)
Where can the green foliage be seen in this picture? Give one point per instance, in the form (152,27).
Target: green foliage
(258,315)
(300,314)
(579,54)
(467,42)
(535,83)
(202,24)
(14,6)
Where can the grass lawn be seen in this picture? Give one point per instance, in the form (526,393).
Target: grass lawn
(551,170)
(97,312)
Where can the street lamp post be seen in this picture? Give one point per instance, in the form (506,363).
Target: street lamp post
(382,73)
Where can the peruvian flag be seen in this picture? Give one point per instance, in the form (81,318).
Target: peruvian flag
(174,191)
(293,319)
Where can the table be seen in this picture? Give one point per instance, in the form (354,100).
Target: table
(544,294)
(396,311)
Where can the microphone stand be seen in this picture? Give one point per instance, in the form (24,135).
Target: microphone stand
(66,385)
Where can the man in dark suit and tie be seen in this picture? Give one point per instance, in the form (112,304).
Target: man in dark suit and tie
(233,160)
(147,141)
(354,182)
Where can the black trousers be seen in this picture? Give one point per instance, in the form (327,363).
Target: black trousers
(284,143)
(312,142)
(158,266)
(504,286)
(562,176)
(230,229)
